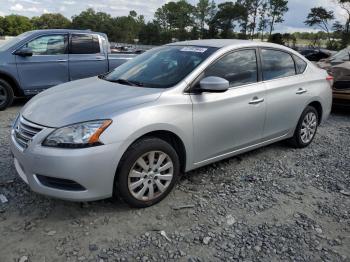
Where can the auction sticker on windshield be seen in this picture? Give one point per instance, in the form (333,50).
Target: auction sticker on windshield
(194,49)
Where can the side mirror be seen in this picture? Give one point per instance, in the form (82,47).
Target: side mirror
(24,52)
(214,84)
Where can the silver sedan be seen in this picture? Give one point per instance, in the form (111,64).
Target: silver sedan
(175,108)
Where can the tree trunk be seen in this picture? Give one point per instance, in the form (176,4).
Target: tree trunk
(271,25)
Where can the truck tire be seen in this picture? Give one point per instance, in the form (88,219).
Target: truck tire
(6,94)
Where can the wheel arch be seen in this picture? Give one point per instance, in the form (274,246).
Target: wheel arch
(318,106)
(12,82)
(167,135)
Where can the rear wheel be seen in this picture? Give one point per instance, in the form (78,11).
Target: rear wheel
(6,95)
(148,172)
(306,128)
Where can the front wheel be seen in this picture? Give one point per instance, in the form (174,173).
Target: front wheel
(148,172)
(306,128)
(6,95)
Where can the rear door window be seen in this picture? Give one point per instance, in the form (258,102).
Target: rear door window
(276,64)
(239,68)
(84,44)
(300,64)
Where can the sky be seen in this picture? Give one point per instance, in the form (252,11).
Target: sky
(294,18)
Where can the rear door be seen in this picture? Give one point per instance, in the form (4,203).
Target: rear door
(286,91)
(86,56)
(47,67)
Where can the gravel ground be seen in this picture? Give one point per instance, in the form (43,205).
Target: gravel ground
(271,204)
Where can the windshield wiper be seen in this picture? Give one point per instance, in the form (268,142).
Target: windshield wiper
(125,82)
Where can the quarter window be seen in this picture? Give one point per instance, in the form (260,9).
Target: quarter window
(85,44)
(300,64)
(48,45)
(276,64)
(239,68)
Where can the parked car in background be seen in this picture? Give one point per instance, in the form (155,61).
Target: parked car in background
(314,54)
(37,60)
(338,66)
(170,110)
(120,49)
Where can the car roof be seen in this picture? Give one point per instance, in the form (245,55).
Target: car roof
(219,43)
(40,31)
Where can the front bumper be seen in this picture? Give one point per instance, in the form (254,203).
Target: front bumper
(93,168)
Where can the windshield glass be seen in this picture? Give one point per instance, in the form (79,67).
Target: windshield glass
(7,44)
(162,67)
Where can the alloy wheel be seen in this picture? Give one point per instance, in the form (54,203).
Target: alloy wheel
(308,127)
(150,175)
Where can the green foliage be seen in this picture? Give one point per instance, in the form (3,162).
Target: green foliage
(13,25)
(202,14)
(276,11)
(320,17)
(50,21)
(276,38)
(180,20)
(176,17)
(122,29)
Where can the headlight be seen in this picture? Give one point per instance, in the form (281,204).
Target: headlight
(80,135)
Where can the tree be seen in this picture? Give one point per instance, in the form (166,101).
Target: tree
(89,19)
(150,34)
(176,17)
(263,19)
(2,29)
(210,21)
(50,21)
(276,11)
(248,12)
(276,38)
(127,28)
(202,13)
(345,5)
(345,34)
(225,17)
(14,25)
(320,17)
(256,4)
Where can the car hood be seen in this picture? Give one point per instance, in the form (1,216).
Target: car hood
(84,100)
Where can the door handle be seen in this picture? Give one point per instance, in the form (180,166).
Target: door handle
(256,100)
(99,58)
(61,60)
(301,91)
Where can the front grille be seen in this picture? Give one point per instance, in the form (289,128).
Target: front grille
(60,183)
(25,131)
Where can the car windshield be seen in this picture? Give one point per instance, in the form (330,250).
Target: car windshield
(13,41)
(161,67)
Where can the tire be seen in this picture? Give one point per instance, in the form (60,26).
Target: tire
(306,129)
(6,95)
(139,187)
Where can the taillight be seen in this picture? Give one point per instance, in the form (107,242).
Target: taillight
(330,80)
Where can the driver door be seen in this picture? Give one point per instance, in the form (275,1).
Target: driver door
(47,67)
(228,121)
